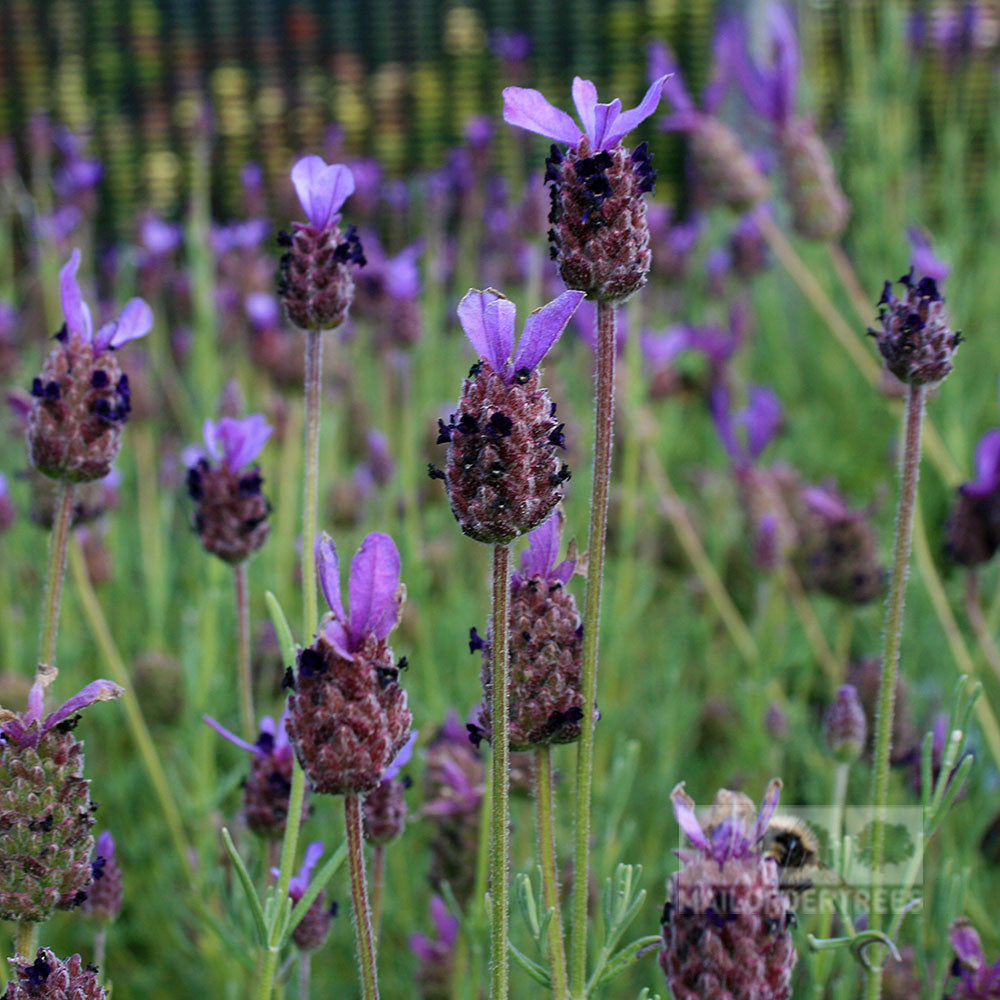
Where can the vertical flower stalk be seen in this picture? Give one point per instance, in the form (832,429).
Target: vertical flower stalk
(917,347)
(503,477)
(600,242)
(547,855)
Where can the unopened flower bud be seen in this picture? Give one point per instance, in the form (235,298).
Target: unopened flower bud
(845,728)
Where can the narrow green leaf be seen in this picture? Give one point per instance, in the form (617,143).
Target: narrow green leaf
(281,626)
(248,887)
(627,957)
(316,886)
(537,972)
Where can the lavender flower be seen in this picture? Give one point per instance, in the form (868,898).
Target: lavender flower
(104,896)
(437,954)
(347,712)
(314,926)
(230,510)
(45,802)
(726,921)
(845,727)
(267,788)
(81,397)
(51,978)
(747,432)
(972,534)
(503,474)
(316,283)
(599,236)
(976,979)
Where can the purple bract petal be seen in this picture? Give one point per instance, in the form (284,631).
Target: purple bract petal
(629,120)
(445,923)
(544,327)
(328,569)
(95,691)
(761,418)
(767,809)
(232,737)
(922,255)
(488,321)
(36,704)
(105,846)
(209,434)
(135,321)
(402,758)
(585,99)
(322,189)
(76,311)
(313,853)
(663,66)
(686,819)
(241,440)
(374,588)
(968,947)
(528,109)
(540,556)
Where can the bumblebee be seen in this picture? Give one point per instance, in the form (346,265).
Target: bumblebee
(793,845)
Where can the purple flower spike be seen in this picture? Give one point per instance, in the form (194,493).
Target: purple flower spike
(322,189)
(236,442)
(604,125)
(402,758)
(487,318)
(375,591)
(770,90)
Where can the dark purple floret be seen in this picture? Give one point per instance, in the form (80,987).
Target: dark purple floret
(61,334)
(434,472)
(476,641)
(642,165)
(38,972)
(558,438)
(97,868)
(99,378)
(552,162)
(500,425)
(350,251)
(467,425)
(444,431)
(311,663)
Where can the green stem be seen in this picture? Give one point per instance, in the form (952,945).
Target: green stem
(100,946)
(244,679)
(314,385)
(304,964)
(604,415)
(550,871)
(378,884)
(26,940)
(359,897)
(824,958)
(890,658)
(500,771)
(271,954)
(54,577)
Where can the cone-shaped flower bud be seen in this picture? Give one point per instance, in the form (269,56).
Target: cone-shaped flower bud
(104,894)
(820,209)
(268,786)
(599,236)
(314,926)
(51,978)
(724,168)
(347,711)
(317,281)
(977,980)
(45,841)
(383,811)
(81,397)
(845,727)
(726,922)
(453,788)
(503,473)
(230,513)
(546,648)
(436,955)
(972,535)
(915,340)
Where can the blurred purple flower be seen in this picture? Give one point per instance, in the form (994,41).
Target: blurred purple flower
(771,90)
(487,318)
(28,727)
(604,125)
(236,442)
(663,65)
(510,46)
(373,586)
(262,310)
(922,256)
(539,558)
(236,236)
(401,759)
(977,980)
(159,238)
(437,950)
(322,189)
(747,432)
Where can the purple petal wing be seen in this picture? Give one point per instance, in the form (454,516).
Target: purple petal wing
(762,419)
(105,847)
(36,704)
(313,853)
(242,440)
(786,61)
(135,321)
(544,327)
(540,556)
(585,99)
(669,77)
(322,189)
(528,109)
(76,311)
(965,941)
(210,434)
(488,321)
(374,588)
(446,924)
(767,810)
(686,819)
(328,570)
(987,466)
(605,125)
(628,120)
(232,737)
(336,635)
(402,758)
(95,691)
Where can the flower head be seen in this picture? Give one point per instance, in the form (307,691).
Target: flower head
(104,894)
(488,321)
(604,125)
(322,189)
(977,980)
(51,978)
(747,432)
(845,727)
(236,442)
(770,89)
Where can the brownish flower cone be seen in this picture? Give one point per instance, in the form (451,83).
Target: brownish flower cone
(80,404)
(865,676)
(724,167)
(230,510)
(599,236)
(820,209)
(266,792)
(384,811)
(503,472)
(347,715)
(314,926)
(90,500)
(45,818)
(317,280)
(104,894)
(51,978)
(972,534)
(546,651)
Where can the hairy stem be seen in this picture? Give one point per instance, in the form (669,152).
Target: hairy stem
(100,947)
(304,965)
(314,385)
(550,870)
(54,577)
(378,884)
(244,680)
(359,897)
(890,657)
(604,415)
(500,771)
